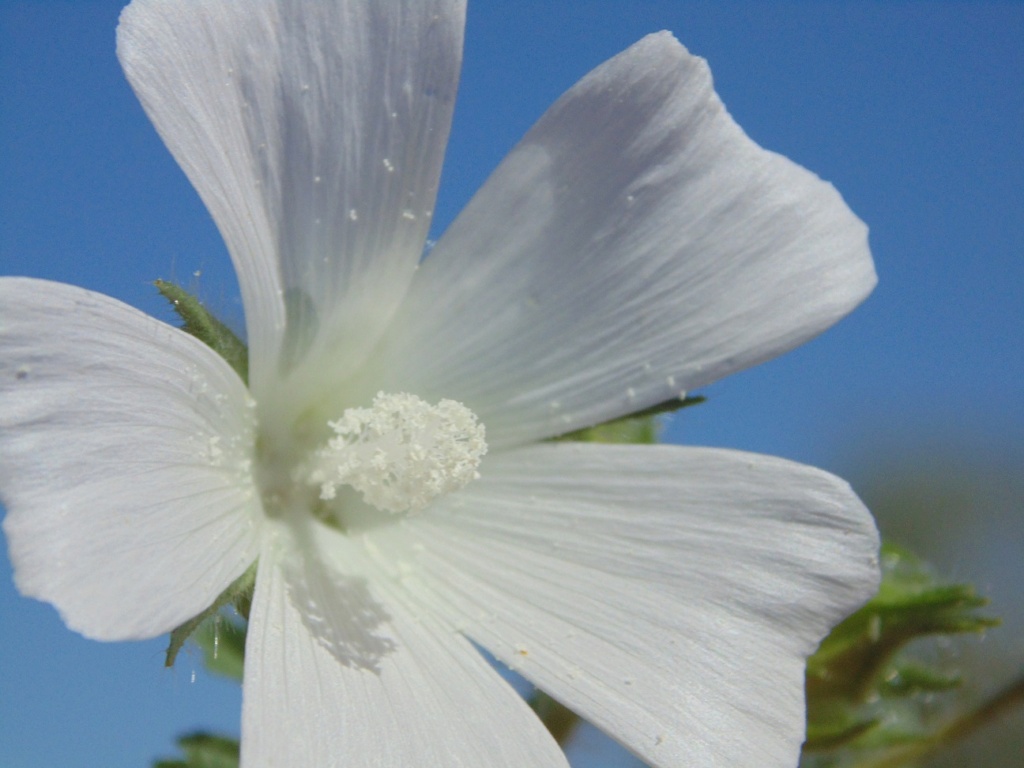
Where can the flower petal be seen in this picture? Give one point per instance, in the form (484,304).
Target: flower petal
(338,672)
(668,595)
(634,245)
(314,132)
(125,450)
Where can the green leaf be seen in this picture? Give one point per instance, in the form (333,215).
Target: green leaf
(841,728)
(911,679)
(239,593)
(868,696)
(910,604)
(200,322)
(204,750)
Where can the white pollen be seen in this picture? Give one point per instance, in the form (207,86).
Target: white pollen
(401,453)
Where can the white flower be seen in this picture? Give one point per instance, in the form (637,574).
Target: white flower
(634,245)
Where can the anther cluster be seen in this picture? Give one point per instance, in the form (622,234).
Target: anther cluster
(402,452)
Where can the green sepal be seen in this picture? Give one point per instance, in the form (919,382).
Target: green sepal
(642,431)
(240,592)
(198,321)
(204,750)
(640,427)
(560,721)
(222,642)
(668,406)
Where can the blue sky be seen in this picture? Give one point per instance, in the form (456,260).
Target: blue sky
(915,111)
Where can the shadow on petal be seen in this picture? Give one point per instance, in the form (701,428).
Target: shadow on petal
(340,613)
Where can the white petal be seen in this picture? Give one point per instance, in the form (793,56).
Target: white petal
(635,244)
(339,673)
(125,451)
(314,132)
(668,595)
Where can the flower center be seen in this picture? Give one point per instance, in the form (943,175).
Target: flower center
(401,453)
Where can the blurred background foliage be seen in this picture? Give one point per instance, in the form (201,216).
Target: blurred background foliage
(958,505)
